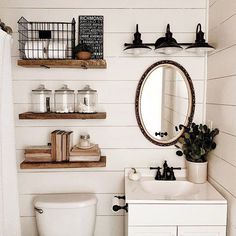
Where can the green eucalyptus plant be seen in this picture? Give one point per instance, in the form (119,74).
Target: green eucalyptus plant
(196,142)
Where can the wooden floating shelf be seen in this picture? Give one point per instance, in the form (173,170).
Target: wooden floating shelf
(53,115)
(84,64)
(56,165)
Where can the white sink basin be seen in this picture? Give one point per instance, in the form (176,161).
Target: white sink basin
(151,191)
(168,188)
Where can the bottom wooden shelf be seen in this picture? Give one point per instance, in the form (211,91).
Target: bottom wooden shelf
(55,165)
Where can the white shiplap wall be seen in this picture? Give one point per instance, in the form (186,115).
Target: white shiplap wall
(119,136)
(221,102)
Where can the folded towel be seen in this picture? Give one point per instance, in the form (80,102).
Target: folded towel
(57,50)
(36,49)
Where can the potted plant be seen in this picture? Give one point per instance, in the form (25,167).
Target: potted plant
(83,51)
(195,144)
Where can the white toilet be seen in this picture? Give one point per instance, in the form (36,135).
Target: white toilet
(66,214)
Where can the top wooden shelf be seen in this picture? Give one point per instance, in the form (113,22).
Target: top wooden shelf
(84,64)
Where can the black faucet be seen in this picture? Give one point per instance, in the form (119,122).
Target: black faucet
(168,172)
(158,174)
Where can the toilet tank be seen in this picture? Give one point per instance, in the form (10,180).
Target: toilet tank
(66,214)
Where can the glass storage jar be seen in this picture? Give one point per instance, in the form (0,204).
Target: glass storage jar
(87,100)
(41,100)
(64,100)
(84,141)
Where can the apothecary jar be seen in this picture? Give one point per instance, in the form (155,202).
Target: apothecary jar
(87,100)
(41,100)
(64,100)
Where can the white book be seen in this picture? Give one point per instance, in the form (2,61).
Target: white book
(84,158)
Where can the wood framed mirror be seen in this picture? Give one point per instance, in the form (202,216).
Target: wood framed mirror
(164,102)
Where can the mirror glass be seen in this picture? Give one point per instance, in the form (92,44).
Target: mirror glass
(164,102)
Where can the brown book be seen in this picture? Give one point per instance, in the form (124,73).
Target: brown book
(59,145)
(94,151)
(38,159)
(53,144)
(63,146)
(37,155)
(69,143)
(38,149)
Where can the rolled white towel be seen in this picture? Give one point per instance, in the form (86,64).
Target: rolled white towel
(115,201)
(36,49)
(57,50)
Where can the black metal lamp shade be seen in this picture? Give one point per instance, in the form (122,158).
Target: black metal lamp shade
(167,44)
(137,47)
(200,45)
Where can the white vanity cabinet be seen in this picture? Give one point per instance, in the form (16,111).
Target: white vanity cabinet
(173,208)
(177,219)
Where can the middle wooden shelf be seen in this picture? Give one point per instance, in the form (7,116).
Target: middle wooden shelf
(54,115)
(62,153)
(55,165)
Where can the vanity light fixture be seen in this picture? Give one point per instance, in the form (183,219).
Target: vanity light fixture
(200,44)
(137,47)
(168,45)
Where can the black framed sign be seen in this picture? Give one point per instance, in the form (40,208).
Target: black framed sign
(91,33)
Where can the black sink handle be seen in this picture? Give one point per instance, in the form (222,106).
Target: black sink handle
(155,168)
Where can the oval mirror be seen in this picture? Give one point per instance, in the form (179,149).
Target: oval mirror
(165,102)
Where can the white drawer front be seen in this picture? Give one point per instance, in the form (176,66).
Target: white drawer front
(202,231)
(153,231)
(170,214)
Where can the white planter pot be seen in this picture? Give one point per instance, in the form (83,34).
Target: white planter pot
(196,172)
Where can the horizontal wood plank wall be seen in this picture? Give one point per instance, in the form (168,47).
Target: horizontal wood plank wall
(221,102)
(119,136)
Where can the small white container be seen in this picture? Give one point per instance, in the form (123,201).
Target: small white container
(134,175)
(87,100)
(196,172)
(64,100)
(41,100)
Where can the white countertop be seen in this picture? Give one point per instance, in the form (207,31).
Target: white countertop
(202,194)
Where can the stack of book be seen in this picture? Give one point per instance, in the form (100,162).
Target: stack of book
(90,154)
(38,154)
(61,143)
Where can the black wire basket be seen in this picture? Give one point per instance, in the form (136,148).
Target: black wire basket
(46,40)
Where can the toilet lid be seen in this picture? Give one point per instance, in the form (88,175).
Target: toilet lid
(65,201)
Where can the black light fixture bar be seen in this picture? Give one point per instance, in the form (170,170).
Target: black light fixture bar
(153,44)
(169,42)
(147,44)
